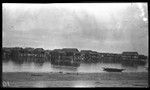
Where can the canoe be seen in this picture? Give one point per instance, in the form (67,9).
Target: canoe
(113,69)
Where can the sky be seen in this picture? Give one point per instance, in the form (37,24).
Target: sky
(102,27)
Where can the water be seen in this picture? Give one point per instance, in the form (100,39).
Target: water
(102,79)
(11,66)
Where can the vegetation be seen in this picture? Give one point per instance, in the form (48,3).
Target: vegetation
(68,56)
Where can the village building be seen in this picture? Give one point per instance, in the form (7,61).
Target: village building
(129,56)
(65,56)
(69,55)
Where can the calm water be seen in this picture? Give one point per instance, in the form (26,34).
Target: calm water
(47,67)
(11,66)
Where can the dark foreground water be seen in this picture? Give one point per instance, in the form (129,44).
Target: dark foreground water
(29,74)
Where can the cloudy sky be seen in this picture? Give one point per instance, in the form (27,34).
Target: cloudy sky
(103,27)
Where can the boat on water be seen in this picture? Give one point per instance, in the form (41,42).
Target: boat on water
(113,69)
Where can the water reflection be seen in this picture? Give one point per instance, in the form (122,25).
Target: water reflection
(39,65)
